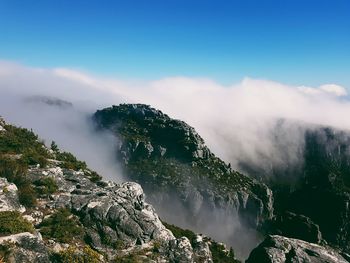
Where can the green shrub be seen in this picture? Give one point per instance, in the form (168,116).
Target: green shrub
(69,161)
(54,146)
(221,255)
(27,195)
(74,255)
(22,141)
(61,226)
(12,222)
(31,157)
(14,170)
(45,186)
(94,177)
(179,232)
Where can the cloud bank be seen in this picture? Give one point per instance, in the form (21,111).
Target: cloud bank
(239,122)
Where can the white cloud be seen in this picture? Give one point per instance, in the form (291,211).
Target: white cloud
(236,121)
(334,89)
(327,89)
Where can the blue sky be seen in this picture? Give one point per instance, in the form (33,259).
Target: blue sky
(293,41)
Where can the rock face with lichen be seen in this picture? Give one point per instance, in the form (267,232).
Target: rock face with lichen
(282,249)
(54,209)
(171,162)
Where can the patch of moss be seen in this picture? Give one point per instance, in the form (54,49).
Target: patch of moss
(62,226)
(12,222)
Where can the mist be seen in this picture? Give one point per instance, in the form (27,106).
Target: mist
(254,123)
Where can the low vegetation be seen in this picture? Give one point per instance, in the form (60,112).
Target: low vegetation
(14,170)
(45,186)
(179,232)
(12,222)
(75,255)
(24,142)
(61,226)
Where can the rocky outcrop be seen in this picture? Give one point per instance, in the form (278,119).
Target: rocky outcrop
(115,216)
(297,226)
(25,247)
(278,249)
(171,162)
(8,197)
(2,124)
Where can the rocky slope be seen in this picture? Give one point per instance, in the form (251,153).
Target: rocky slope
(171,162)
(54,209)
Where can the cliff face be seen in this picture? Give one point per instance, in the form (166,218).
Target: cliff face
(322,189)
(170,160)
(54,209)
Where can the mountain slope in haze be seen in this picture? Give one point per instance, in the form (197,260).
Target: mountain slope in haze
(54,209)
(322,189)
(170,160)
(173,165)
(167,156)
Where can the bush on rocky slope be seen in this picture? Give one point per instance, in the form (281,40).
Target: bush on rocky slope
(75,255)
(12,222)
(61,226)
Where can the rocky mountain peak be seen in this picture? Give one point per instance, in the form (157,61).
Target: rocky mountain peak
(151,132)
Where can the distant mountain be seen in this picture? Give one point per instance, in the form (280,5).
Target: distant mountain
(322,188)
(51,101)
(170,160)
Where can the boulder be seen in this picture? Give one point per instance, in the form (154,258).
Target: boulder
(279,249)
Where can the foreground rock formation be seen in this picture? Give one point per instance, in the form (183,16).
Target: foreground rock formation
(282,249)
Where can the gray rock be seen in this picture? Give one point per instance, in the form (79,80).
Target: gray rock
(278,249)
(297,226)
(9,197)
(26,248)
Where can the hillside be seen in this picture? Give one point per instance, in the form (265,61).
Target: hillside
(54,209)
(173,164)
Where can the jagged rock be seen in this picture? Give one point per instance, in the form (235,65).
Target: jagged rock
(201,250)
(278,249)
(25,247)
(8,197)
(2,124)
(180,250)
(297,226)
